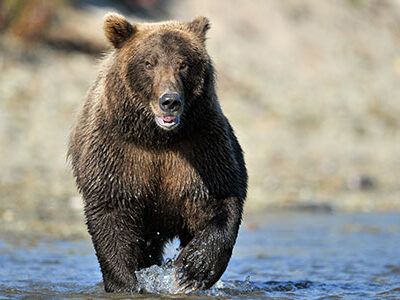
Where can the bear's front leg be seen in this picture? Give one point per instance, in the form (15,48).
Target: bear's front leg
(117,241)
(204,259)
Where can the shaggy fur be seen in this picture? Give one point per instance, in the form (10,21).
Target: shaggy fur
(144,184)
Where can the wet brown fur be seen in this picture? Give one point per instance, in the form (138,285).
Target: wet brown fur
(143,185)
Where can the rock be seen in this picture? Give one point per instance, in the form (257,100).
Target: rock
(361,182)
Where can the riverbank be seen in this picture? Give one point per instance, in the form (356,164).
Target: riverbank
(311,90)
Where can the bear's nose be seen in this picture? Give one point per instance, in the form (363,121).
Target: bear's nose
(170,102)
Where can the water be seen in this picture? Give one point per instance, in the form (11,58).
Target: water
(284,256)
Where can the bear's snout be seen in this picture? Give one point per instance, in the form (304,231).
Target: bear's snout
(170,102)
(170,106)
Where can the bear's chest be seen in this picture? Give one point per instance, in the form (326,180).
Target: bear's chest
(165,176)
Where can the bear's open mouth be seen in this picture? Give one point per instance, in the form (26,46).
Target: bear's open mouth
(167,121)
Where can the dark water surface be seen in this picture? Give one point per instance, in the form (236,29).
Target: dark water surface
(284,256)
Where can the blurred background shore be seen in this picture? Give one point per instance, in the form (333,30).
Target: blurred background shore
(312,89)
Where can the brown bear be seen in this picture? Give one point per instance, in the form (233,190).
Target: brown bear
(155,158)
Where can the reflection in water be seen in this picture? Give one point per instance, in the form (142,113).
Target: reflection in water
(290,256)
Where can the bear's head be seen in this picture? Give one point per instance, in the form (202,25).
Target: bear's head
(164,70)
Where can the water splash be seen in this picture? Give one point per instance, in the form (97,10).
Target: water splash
(161,280)
(157,279)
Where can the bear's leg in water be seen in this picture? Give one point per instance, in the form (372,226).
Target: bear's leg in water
(119,248)
(204,259)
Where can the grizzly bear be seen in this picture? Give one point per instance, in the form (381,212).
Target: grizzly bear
(155,158)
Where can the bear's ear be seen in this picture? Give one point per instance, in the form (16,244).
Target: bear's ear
(117,29)
(200,26)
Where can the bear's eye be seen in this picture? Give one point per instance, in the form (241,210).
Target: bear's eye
(148,65)
(183,66)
